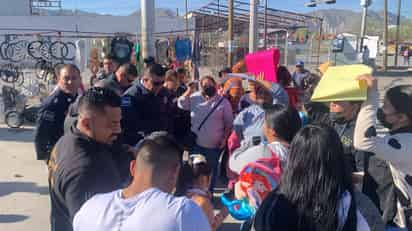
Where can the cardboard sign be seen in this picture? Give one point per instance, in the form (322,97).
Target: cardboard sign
(264,63)
(340,84)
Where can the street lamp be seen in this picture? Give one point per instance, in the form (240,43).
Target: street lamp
(313,3)
(364,4)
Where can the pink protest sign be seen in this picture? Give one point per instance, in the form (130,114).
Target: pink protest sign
(264,62)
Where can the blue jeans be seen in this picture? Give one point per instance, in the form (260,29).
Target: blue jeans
(212,158)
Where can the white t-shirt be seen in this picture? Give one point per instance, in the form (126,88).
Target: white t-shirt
(150,210)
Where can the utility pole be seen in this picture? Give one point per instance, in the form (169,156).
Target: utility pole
(320,40)
(385,35)
(286,47)
(365,5)
(398,25)
(147,27)
(31,7)
(253,27)
(266,25)
(230,35)
(187,19)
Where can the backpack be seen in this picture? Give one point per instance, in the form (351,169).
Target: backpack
(257,179)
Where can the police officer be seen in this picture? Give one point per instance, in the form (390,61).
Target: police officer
(121,80)
(53,111)
(343,115)
(82,164)
(110,65)
(146,106)
(118,82)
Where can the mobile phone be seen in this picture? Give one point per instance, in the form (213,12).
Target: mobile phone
(256,140)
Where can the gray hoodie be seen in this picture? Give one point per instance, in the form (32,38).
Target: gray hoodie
(248,154)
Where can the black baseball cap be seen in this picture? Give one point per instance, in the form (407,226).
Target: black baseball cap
(149,60)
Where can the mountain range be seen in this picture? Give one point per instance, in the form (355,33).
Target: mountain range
(336,20)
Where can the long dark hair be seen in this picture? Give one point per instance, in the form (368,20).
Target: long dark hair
(284,76)
(315,177)
(189,173)
(401,99)
(284,120)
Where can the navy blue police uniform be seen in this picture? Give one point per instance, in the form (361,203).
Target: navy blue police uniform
(50,122)
(144,112)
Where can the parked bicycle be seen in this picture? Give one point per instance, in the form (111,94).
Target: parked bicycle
(19,50)
(11,74)
(16,118)
(16,110)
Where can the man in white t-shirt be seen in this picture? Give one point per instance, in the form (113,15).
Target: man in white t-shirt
(147,203)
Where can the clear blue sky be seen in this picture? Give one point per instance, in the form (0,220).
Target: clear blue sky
(124,7)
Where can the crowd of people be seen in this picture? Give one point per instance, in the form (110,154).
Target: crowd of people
(115,152)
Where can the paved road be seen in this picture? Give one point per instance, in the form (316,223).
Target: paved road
(24,201)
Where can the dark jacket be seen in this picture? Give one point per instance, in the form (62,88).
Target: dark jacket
(78,169)
(121,155)
(72,115)
(355,158)
(181,90)
(181,119)
(277,213)
(111,83)
(143,112)
(49,127)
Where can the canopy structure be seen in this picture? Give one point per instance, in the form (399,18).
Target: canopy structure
(214,16)
(275,29)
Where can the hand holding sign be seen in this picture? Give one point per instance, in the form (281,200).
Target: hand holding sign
(341,83)
(264,63)
(260,76)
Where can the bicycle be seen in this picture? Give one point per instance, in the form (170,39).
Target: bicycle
(61,51)
(16,118)
(11,74)
(16,110)
(17,51)
(39,50)
(65,51)
(3,47)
